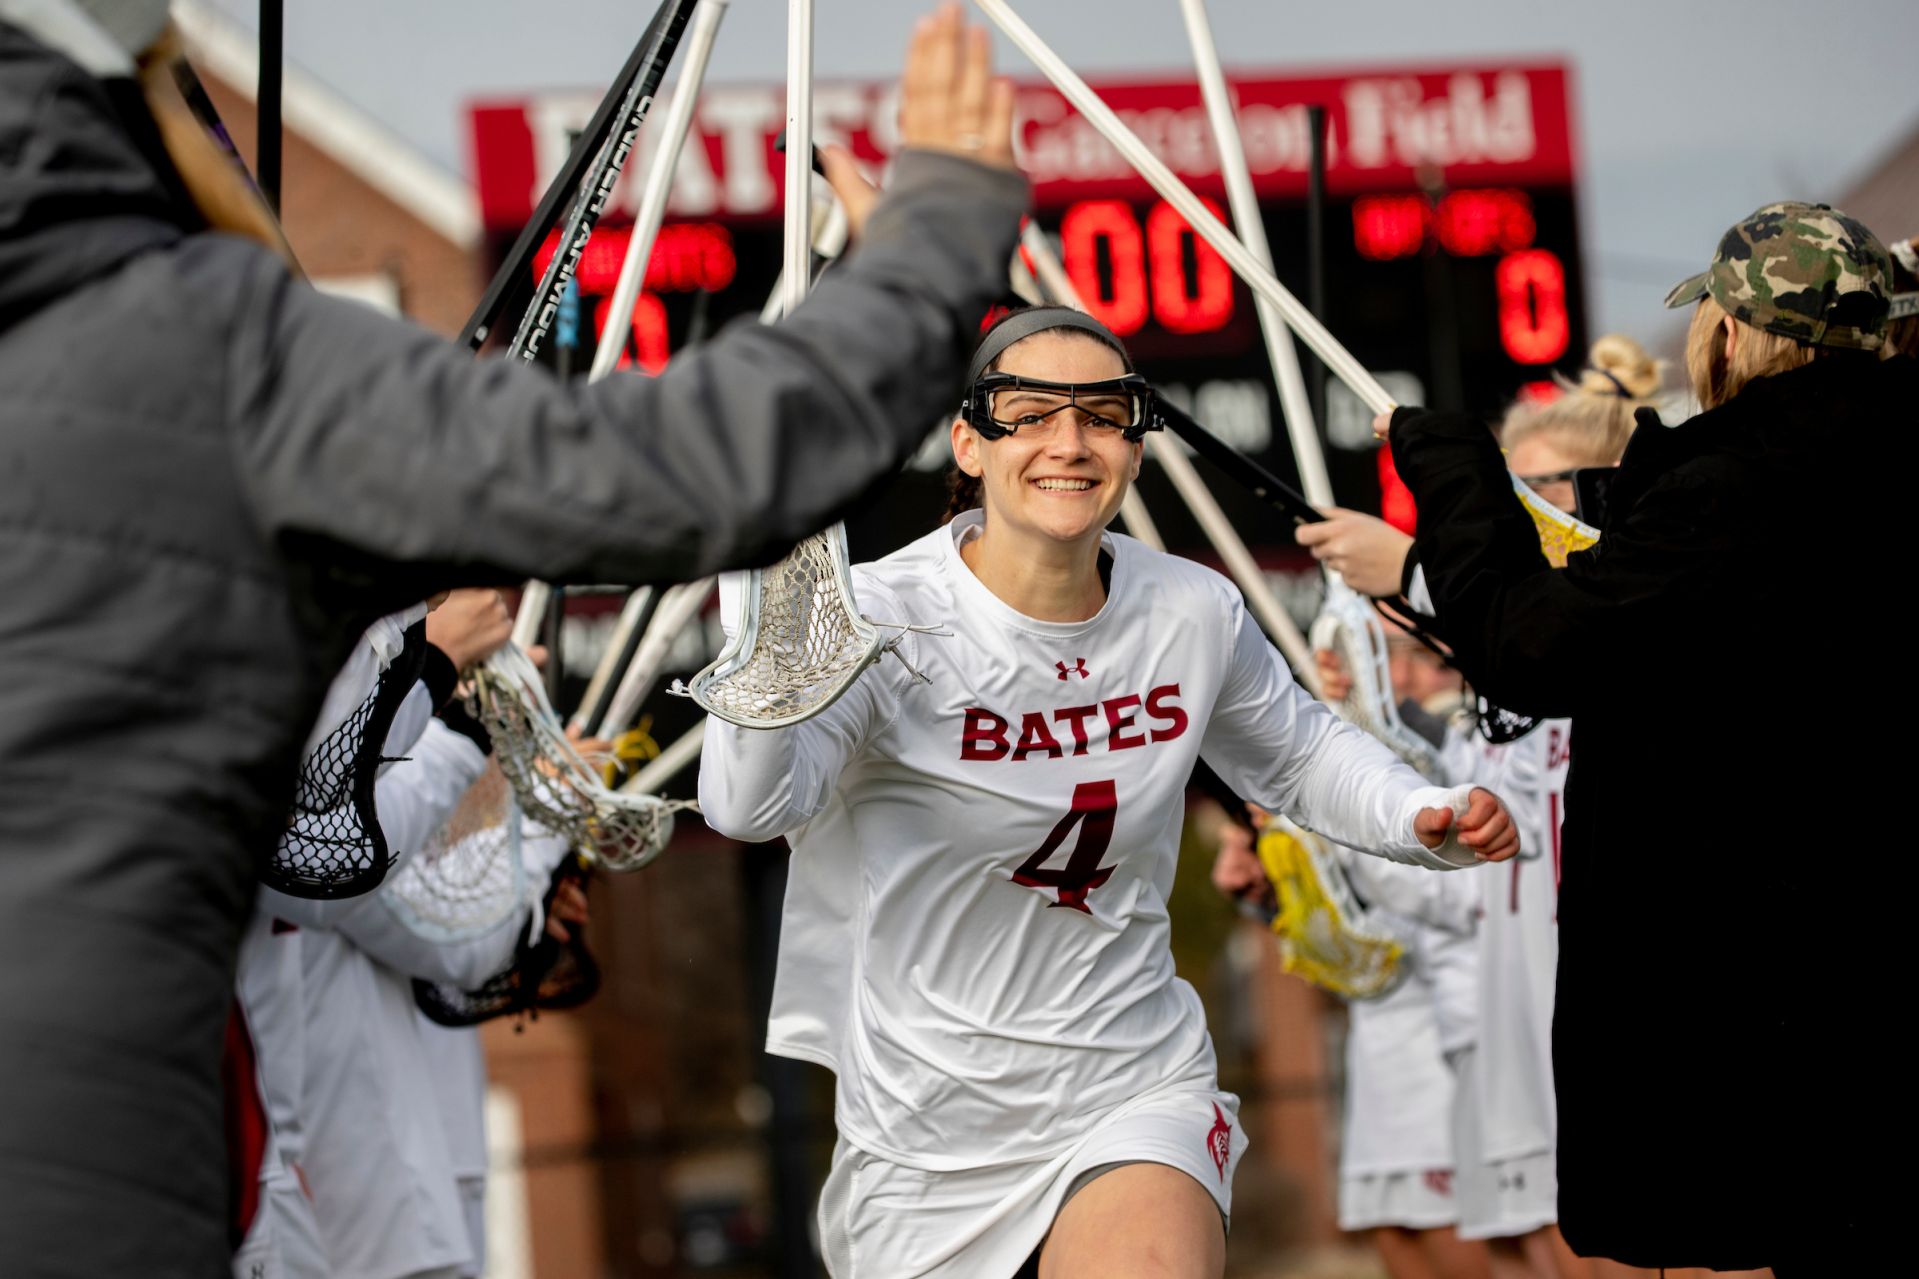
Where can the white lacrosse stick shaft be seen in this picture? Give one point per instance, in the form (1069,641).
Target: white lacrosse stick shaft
(799,153)
(829,241)
(679,606)
(1181,197)
(1294,403)
(630,614)
(659,182)
(660,770)
(1198,498)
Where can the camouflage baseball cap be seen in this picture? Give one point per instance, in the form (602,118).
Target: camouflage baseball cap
(1803,271)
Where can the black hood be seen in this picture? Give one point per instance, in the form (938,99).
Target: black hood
(78,195)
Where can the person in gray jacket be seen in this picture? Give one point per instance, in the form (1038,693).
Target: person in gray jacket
(212,478)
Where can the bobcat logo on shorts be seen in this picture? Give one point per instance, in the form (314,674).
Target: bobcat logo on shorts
(1220,1140)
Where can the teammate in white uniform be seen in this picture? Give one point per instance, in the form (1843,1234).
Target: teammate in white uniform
(976,933)
(1506,1120)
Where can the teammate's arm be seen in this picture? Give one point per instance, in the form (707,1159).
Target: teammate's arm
(757,784)
(1273,743)
(1528,636)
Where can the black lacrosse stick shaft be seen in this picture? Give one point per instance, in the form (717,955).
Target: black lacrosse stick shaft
(272,60)
(1257,480)
(593,198)
(648,60)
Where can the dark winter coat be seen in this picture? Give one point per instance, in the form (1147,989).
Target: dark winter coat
(1719,652)
(211,479)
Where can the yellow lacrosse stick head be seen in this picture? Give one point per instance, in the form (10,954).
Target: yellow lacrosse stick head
(1559,533)
(1317,941)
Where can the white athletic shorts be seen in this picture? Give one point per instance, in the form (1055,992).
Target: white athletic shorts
(1414,1200)
(882,1220)
(1497,1198)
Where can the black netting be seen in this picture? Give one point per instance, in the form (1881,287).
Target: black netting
(333,846)
(547,975)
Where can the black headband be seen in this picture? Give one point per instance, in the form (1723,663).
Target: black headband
(1623,392)
(1039,319)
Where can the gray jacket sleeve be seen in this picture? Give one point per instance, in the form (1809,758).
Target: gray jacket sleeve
(379,440)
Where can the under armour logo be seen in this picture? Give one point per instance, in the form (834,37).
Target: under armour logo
(1077,668)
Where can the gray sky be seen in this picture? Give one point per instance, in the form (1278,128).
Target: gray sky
(1688,113)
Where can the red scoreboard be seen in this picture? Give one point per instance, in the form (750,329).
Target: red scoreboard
(1451,246)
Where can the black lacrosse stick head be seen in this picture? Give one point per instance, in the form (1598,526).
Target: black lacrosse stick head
(546,975)
(1128,403)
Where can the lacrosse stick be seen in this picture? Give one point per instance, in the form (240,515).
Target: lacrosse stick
(659,770)
(1348,624)
(802,640)
(639,247)
(1203,505)
(621,645)
(556,787)
(678,607)
(546,974)
(469,877)
(1326,934)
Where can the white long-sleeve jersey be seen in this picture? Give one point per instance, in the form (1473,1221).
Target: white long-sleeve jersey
(976,930)
(1519,949)
(1399,1090)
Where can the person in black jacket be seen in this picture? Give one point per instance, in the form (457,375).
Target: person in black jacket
(1712,1060)
(213,478)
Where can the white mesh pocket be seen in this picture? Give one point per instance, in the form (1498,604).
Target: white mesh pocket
(468,879)
(800,644)
(556,788)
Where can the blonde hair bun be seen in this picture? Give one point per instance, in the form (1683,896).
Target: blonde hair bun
(1618,363)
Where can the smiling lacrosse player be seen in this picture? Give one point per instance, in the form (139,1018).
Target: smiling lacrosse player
(976,933)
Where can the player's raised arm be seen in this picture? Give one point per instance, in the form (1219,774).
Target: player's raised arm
(758,784)
(1275,744)
(738,450)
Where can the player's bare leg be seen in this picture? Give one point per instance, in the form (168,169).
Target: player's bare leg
(1508,1259)
(1401,1253)
(1430,1254)
(1602,1269)
(1143,1221)
(1553,1257)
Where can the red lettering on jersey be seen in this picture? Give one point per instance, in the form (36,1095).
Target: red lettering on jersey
(1034,736)
(984,736)
(1075,717)
(1115,721)
(1558,748)
(1095,804)
(1161,704)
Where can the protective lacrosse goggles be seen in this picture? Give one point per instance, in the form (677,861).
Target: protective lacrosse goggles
(1002,403)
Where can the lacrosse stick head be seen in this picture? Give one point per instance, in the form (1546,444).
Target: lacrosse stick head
(547,975)
(468,878)
(800,644)
(1350,626)
(1325,936)
(1559,533)
(555,787)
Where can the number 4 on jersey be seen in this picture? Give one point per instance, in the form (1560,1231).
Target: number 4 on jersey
(1095,804)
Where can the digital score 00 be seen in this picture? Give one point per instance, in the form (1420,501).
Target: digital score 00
(1451,249)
